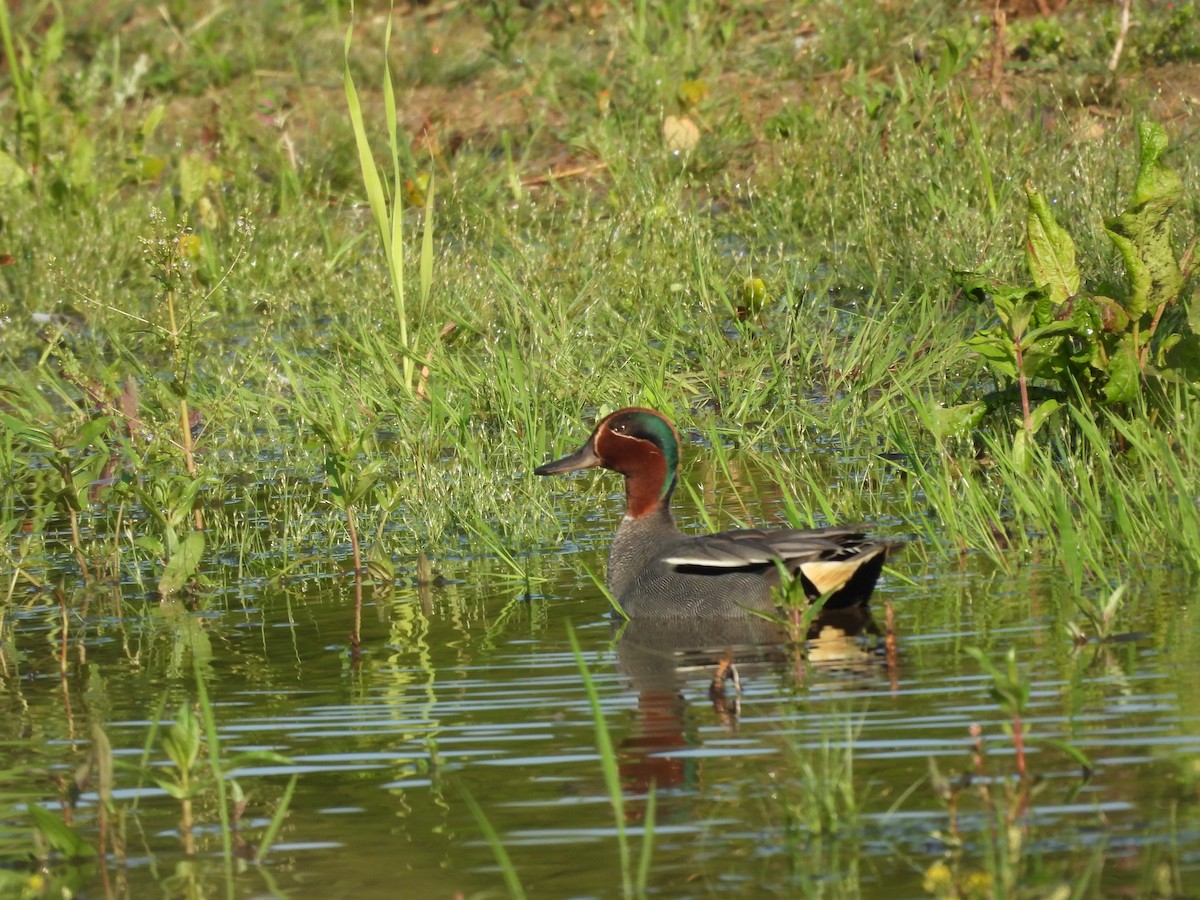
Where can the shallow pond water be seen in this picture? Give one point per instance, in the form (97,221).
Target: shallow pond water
(815,779)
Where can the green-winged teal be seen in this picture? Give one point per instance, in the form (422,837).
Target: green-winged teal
(655,570)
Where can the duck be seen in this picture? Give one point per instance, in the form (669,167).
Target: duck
(657,571)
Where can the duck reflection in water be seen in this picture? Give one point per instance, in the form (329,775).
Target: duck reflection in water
(661,657)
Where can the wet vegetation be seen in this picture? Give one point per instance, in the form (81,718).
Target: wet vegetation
(293,299)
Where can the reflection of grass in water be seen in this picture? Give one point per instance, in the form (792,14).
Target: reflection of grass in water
(815,806)
(196,774)
(1003,858)
(826,801)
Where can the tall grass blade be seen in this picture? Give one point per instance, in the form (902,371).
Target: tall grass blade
(426,270)
(370,172)
(388,218)
(14,64)
(511,880)
(394,243)
(608,595)
(268,838)
(981,154)
(608,764)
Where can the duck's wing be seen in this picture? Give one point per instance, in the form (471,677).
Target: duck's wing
(827,558)
(746,547)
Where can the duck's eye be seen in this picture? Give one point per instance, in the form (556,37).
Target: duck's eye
(620,428)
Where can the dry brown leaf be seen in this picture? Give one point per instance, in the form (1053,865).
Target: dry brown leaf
(680,134)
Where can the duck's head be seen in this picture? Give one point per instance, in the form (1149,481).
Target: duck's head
(639,443)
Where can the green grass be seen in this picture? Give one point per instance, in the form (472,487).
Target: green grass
(535,305)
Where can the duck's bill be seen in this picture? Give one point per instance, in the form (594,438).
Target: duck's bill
(583,458)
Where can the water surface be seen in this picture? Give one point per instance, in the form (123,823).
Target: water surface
(471,689)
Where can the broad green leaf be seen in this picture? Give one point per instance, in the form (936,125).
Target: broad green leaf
(1179,358)
(1018,314)
(1049,250)
(183,563)
(1193,310)
(1043,411)
(11,173)
(379,564)
(182,739)
(147,542)
(984,288)
(53,44)
(35,436)
(82,163)
(151,503)
(195,174)
(1069,749)
(61,836)
(255,757)
(364,480)
(1022,443)
(955,421)
(89,431)
(173,789)
(69,497)
(1111,315)
(1169,343)
(1155,181)
(87,472)
(1123,372)
(152,121)
(334,467)
(1053,329)
(1136,236)
(1035,356)
(996,348)
(1142,234)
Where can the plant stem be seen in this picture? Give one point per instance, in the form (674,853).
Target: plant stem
(1122,31)
(356,634)
(1019,744)
(1023,387)
(185,816)
(77,546)
(892,651)
(62,654)
(185,418)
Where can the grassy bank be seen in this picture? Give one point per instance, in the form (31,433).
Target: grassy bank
(185,227)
